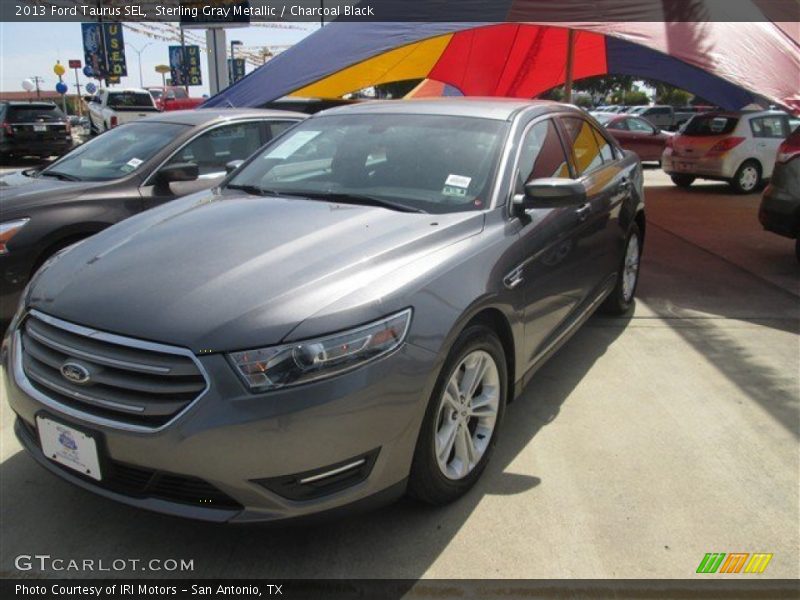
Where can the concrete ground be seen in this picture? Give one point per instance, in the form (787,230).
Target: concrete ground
(645,443)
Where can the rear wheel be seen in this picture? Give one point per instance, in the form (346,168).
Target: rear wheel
(621,299)
(683,181)
(460,426)
(747,178)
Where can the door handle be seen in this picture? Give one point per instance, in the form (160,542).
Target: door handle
(583,211)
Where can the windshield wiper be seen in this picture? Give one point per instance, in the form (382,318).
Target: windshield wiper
(59,175)
(362,199)
(247,188)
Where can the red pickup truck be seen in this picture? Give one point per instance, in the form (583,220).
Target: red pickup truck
(173,98)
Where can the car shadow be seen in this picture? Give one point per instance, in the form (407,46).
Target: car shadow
(404,538)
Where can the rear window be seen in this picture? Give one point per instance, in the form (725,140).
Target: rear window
(28,114)
(130,99)
(701,125)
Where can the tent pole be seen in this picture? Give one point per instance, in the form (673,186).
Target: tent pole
(570,65)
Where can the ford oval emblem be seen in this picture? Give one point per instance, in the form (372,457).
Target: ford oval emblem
(75,373)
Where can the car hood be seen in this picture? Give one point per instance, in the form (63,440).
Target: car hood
(216,272)
(18,192)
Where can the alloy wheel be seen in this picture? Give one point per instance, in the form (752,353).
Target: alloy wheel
(467,414)
(630,269)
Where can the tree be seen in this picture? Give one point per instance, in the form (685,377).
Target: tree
(629,98)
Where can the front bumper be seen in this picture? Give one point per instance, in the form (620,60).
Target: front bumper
(780,211)
(717,167)
(36,147)
(234,440)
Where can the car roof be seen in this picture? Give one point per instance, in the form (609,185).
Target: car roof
(501,109)
(200,116)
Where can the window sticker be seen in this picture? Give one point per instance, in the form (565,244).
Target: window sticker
(294,143)
(456,192)
(459,181)
(134,163)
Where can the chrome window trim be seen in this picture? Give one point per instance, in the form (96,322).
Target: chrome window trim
(148,181)
(25,385)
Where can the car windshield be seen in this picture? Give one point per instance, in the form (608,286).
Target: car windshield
(29,114)
(116,153)
(707,125)
(603,118)
(429,163)
(130,99)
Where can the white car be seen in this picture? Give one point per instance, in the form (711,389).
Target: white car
(739,148)
(111,107)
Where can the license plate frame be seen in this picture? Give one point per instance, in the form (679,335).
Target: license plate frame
(70,446)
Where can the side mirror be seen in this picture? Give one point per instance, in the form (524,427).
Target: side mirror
(550,192)
(232,166)
(177,172)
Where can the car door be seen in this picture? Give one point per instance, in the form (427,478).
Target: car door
(548,273)
(600,238)
(648,143)
(768,134)
(211,151)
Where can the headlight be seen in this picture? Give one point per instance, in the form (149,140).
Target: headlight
(8,230)
(292,364)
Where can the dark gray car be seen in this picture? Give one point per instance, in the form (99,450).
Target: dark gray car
(780,206)
(343,320)
(122,172)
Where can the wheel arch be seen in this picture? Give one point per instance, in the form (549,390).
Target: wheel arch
(493,318)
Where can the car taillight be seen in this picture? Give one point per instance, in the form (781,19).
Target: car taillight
(789,149)
(7,128)
(724,146)
(114,120)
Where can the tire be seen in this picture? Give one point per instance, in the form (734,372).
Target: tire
(440,482)
(747,178)
(622,298)
(682,181)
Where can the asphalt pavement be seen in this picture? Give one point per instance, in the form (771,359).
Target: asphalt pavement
(644,444)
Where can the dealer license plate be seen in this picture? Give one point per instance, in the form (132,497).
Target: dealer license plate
(40,127)
(69,447)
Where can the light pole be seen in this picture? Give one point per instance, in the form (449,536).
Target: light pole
(139,54)
(232,68)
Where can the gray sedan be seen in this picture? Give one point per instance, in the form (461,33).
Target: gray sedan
(342,321)
(124,171)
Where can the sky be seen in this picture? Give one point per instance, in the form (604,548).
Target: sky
(28,49)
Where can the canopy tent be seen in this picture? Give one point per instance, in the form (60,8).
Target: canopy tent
(727,63)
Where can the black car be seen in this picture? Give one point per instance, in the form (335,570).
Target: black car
(33,129)
(118,174)
(780,206)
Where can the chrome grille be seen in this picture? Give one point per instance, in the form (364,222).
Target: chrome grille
(128,381)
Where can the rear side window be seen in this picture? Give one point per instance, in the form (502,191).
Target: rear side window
(707,125)
(29,114)
(619,125)
(769,127)
(606,151)
(129,99)
(541,155)
(582,141)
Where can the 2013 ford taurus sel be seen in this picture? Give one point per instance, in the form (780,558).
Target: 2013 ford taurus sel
(344,319)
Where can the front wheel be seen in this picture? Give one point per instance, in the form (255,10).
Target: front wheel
(747,178)
(460,426)
(620,300)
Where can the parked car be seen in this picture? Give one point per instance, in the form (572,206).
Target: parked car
(738,148)
(661,116)
(635,134)
(111,107)
(173,98)
(780,206)
(343,319)
(130,169)
(33,129)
